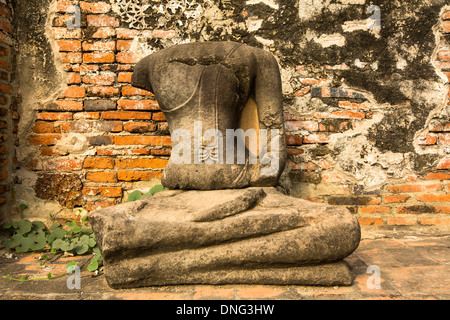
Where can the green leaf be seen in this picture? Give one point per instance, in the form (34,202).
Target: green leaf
(81,249)
(84,218)
(9,225)
(91,243)
(55,226)
(25,245)
(135,195)
(87,231)
(93,265)
(24,226)
(66,246)
(158,188)
(38,225)
(70,266)
(57,244)
(57,233)
(39,243)
(10,243)
(71,224)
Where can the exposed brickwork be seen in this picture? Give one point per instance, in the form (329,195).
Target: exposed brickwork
(8,109)
(124,138)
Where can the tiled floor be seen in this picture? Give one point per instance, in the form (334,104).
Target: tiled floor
(409,266)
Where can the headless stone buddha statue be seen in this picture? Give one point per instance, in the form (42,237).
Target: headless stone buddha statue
(222,221)
(218,88)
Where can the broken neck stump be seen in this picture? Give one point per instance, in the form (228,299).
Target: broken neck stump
(222,221)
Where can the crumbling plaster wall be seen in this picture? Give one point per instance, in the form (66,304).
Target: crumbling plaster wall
(366,96)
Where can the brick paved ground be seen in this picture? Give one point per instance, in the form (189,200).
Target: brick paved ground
(413,265)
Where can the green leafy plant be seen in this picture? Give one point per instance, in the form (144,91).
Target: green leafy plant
(137,195)
(74,238)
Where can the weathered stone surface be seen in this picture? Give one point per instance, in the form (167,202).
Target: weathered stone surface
(211,83)
(64,188)
(253,235)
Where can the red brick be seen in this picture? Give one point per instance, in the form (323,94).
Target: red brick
(101,79)
(96,7)
(370,221)
(292,140)
(444,164)
(95,205)
(158,116)
(126,33)
(73,78)
(54,116)
(98,163)
(132,175)
(310,126)
(125,77)
(132,91)
(396,198)
(74,92)
(69,45)
(103,91)
(102,21)
(401,221)
(126,115)
(45,127)
(124,45)
(302,91)
(122,152)
(444,55)
(414,188)
(433,221)
(421,209)
(104,32)
(161,152)
(141,163)
(293,152)
(143,140)
(444,139)
(58,164)
(44,139)
(346,114)
(429,139)
(139,127)
(5,64)
(86,115)
(98,57)
(101,176)
(303,166)
(71,57)
(315,138)
(433,197)
(99,45)
(446,26)
(125,104)
(65,33)
(126,57)
(63,6)
(437,176)
(110,192)
(375,209)
(163,34)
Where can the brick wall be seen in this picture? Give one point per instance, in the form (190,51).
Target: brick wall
(104,138)
(7,109)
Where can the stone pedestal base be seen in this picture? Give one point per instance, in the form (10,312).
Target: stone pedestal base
(238,236)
